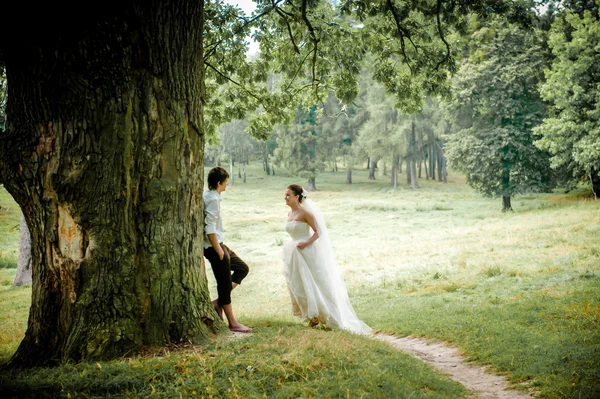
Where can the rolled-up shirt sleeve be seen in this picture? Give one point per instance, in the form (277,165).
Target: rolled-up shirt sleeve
(211,215)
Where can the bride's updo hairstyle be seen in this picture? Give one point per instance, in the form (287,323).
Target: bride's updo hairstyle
(298,190)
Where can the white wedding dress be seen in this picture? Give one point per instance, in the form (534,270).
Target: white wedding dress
(313,279)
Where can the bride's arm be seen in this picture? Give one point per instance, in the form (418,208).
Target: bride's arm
(310,220)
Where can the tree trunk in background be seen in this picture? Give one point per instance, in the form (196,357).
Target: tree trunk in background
(368,162)
(349,175)
(420,152)
(595,182)
(244,173)
(312,185)
(395,171)
(425,162)
(412,155)
(442,171)
(506,206)
(506,203)
(104,155)
(372,170)
(24,261)
(231,172)
(432,160)
(413,174)
(399,164)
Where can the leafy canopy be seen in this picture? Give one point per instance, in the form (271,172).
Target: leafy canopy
(572,132)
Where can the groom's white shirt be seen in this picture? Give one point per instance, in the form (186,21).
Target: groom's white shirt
(213,222)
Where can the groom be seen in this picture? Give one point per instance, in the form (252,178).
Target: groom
(222,260)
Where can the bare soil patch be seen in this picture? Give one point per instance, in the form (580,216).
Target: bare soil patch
(448,360)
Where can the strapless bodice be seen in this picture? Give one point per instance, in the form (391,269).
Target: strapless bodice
(297,230)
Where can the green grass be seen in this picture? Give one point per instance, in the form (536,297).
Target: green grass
(517,291)
(280,361)
(14,308)
(9,230)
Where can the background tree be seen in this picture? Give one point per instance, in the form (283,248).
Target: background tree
(238,145)
(346,125)
(23,274)
(382,136)
(430,126)
(494,109)
(572,131)
(298,148)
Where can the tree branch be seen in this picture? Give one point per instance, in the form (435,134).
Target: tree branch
(441,33)
(210,52)
(314,39)
(297,71)
(401,32)
(284,17)
(233,81)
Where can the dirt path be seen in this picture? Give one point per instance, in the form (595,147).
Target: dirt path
(449,361)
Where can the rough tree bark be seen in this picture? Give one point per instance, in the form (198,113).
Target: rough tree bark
(104,154)
(24,261)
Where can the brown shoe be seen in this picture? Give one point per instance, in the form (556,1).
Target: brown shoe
(313,322)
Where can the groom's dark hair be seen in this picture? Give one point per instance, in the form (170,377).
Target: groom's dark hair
(215,176)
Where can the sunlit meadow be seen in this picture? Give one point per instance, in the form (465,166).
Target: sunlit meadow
(517,291)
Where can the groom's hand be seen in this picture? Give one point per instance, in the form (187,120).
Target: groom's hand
(221,253)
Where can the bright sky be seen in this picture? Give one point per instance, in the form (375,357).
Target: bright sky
(246,5)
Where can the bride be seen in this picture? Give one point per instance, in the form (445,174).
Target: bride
(317,290)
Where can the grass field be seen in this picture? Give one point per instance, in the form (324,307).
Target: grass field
(517,291)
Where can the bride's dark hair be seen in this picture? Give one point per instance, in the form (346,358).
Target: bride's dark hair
(296,189)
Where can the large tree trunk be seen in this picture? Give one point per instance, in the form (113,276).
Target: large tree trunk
(104,155)
(349,175)
(312,184)
(24,261)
